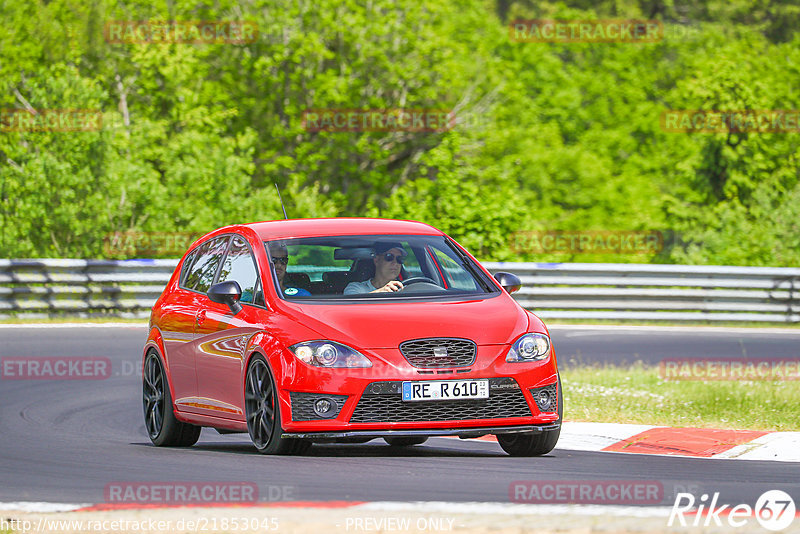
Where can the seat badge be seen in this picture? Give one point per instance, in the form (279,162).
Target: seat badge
(440,352)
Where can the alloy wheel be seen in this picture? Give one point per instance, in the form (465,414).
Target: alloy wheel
(260,404)
(153,396)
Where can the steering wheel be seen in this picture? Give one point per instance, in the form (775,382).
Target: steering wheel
(417,280)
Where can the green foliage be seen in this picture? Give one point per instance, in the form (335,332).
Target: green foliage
(548,136)
(460,202)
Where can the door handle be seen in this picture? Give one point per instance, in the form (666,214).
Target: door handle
(200,317)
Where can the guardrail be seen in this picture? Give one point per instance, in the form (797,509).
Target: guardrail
(90,288)
(657,292)
(81,288)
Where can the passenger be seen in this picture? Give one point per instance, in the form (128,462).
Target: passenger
(280,260)
(388,259)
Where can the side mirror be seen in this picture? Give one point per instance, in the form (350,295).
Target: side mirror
(510,282)
(227,293)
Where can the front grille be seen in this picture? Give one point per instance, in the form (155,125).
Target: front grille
(437,352)
(382,402)
(303,405)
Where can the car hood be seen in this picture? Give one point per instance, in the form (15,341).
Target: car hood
(490,321)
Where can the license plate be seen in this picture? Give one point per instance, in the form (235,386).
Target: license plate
(445,390)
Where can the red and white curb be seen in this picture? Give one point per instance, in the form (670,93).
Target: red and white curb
(691,442)
(687,442)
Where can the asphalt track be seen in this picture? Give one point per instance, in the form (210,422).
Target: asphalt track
(65,441)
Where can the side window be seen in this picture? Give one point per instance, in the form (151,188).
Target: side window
(457,276)
(209,256)
(259,296)
(187,265)
(239,266)
(412,265)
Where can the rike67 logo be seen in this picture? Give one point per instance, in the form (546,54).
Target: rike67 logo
(774,510)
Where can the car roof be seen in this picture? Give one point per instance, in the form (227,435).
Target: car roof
(284,229)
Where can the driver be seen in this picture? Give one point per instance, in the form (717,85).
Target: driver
(388,259)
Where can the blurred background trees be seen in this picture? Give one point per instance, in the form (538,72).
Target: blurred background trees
(549,136)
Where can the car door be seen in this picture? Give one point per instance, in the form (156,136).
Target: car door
(176,323)
(180,320)
(221,336)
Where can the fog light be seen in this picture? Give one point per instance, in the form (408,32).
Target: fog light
(323,407)
(546,398)
(316,406)
(543,401)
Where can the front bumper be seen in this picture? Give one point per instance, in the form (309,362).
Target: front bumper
(370,399)
(381,410)
(463,433)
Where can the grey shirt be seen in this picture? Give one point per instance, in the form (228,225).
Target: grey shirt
(359,287)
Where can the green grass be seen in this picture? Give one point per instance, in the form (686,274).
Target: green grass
(636,394)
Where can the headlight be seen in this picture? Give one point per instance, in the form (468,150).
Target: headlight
(329,354)
(528,348)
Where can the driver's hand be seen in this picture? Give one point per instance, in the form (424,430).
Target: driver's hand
(391,286)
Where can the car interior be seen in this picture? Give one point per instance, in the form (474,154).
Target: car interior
(334,282)
(324,266)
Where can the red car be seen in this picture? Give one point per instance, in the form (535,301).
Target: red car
(345,330)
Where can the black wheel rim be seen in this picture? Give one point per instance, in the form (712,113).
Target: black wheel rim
(153,396)
(260,404)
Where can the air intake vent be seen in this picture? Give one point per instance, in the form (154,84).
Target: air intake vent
(439,352)
(382,402)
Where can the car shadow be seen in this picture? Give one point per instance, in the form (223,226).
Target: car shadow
(323,450)
(377,449)
(367,450)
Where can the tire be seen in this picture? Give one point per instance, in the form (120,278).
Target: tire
(534,443)
(263,413)
(162,427)
(405,442)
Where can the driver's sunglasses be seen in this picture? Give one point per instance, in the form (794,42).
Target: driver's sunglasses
(280,259)
(389,257)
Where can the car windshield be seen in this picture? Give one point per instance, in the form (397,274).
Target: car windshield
(359,267)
